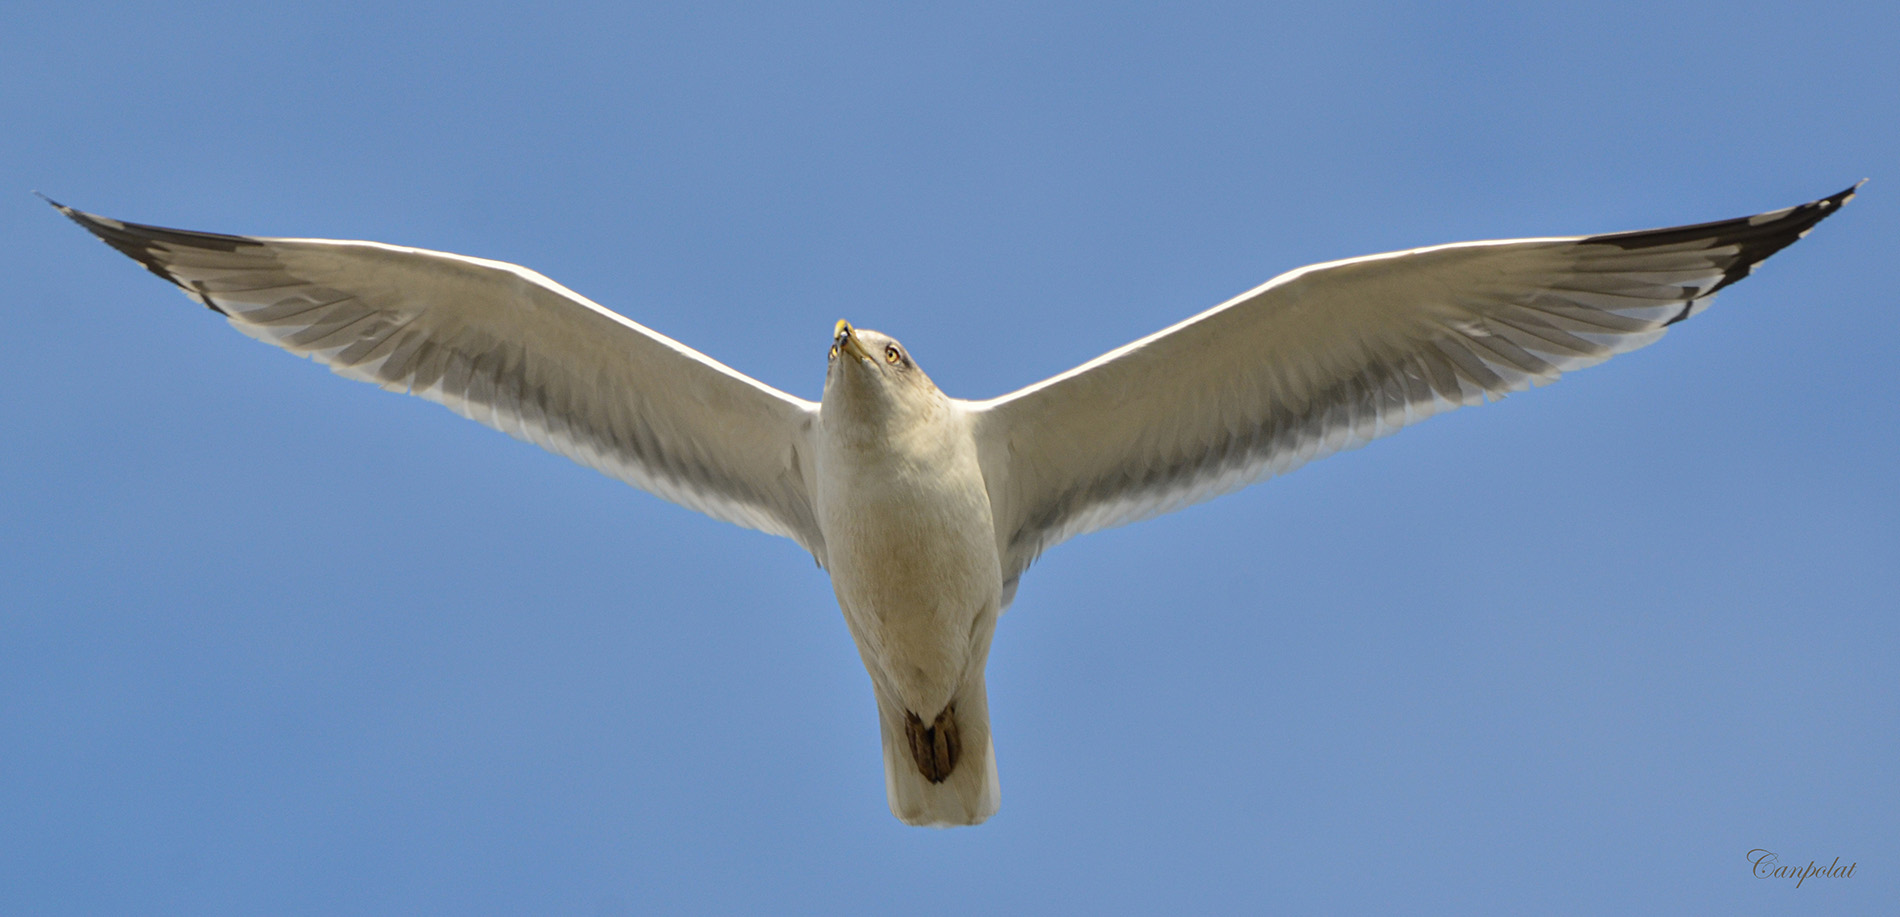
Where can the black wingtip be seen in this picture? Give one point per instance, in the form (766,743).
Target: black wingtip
(1840,199)
(1754,237)
(140,243)
(93,222)
(69,212)
(113,233)
(88,220)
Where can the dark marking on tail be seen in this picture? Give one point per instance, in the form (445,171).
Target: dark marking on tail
(935,748)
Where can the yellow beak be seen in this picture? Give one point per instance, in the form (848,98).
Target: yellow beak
(847,340)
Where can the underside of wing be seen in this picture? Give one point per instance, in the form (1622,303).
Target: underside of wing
(1331,356)
(508,347)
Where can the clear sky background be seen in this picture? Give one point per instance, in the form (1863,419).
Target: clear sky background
(274,642)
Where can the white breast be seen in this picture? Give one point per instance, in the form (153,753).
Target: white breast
(912,553)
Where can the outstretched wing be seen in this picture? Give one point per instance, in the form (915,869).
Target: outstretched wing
(1333,355)
(508,347)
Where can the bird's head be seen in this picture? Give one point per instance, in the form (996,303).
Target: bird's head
(873,377)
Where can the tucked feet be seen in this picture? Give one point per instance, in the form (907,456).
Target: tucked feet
(936,747)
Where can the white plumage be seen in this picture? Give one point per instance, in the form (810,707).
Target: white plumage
(927,509)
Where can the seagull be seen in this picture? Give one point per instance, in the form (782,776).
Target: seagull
(926,509)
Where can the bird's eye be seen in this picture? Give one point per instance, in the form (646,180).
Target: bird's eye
(834,353)
(890,353)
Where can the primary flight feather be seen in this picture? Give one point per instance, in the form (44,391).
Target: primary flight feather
(926,509)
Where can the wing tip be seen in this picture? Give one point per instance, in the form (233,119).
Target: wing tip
(1754,238)
(87,220)
(1839,199)
(1784,230)
(141,243)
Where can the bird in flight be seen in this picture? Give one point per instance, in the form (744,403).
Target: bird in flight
(926,509)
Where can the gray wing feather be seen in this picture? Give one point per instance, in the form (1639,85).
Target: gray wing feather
(1331,356)
(505,346)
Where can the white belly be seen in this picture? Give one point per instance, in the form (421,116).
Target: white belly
(912,552)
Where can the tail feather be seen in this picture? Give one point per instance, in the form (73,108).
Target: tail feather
(970,793)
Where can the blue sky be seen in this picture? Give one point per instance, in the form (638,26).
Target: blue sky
(273,642)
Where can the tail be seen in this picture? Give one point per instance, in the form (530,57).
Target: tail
(941,774)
